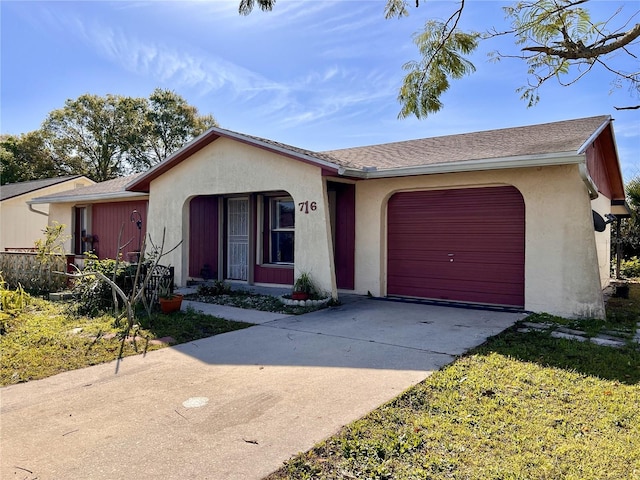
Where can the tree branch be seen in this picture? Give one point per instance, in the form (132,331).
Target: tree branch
(575,51)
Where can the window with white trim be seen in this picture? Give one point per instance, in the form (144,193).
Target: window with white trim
(282,230)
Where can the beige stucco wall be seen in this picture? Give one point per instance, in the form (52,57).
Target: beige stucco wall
(63,214)
(602,205)
(229,167)
(562,274)
(21,227)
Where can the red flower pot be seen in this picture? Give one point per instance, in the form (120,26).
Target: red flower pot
(172,304)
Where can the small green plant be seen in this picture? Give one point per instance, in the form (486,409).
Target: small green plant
(219,287)
(165,289)
(53,243)
(12,304)
(630,268)
(304,284)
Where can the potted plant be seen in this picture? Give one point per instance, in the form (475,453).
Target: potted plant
(303,287)
(169,301)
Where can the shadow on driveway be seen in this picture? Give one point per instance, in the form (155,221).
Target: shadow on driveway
(233,406)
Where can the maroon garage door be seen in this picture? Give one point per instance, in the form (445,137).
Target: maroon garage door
(463,245)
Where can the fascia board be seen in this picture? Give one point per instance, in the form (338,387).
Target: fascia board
(88,198)
(281,150)
(205,139)
(560,158)
(594,135)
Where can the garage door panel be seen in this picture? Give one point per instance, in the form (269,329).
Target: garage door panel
(428,274)
(469,296)
(459,251)
(480,229)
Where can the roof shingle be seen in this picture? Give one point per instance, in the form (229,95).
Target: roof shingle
(548,138)
(114,186)
(11,190)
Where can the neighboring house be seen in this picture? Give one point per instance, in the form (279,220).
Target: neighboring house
(502,217)
(20,224)
(97,214)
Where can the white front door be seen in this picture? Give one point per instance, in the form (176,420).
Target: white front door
(237,238)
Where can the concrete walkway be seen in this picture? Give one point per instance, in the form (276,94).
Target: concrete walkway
(233,406)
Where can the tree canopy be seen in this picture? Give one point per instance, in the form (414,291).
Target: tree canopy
(630,231)
(169,122)
(557,39)
(26,157)
(103,137)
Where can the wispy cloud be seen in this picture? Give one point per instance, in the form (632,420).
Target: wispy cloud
(314,95)
(170,65)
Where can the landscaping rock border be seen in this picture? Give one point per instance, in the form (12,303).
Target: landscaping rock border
(608,340)
(304,303)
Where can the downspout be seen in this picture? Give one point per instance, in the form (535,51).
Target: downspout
(37,211)
(588,181)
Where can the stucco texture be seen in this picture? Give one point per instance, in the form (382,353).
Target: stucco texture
(21,227)
(562,274)
(566,263)
(227,167)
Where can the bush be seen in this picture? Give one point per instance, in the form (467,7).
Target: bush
(94,295)
(12,303)
(630,268)
(217,288)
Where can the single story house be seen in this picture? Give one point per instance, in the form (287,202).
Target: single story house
(510,217)
(20,223)
(96,215)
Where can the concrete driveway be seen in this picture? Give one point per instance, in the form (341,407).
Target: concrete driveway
(234,406)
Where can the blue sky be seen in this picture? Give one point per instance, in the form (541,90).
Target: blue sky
(314,74)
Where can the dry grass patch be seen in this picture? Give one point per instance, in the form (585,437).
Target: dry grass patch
(46,339)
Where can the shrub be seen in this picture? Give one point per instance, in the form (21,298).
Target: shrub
(630,268)
(217,288)
(12,303)
(94,295)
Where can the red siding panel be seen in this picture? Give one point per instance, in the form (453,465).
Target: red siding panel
(106,221)
(279,275)
(596,165)
(203,237)
(345,235)
(461,245)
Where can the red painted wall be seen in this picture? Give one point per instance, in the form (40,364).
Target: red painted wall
(345,235)
(106,221)
(280,275)
(597,167)
(203,237)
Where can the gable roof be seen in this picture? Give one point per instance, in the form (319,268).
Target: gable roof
(11,190)
(323,160)
(108,190)
(536,145)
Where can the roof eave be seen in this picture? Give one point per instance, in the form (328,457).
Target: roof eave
(88,198)
(559,158)
(592,138)
(66,179)
(142,183)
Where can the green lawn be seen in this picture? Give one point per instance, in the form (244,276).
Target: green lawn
(522,406)
(46,339)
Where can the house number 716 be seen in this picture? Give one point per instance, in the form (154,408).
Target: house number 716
(306,206)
